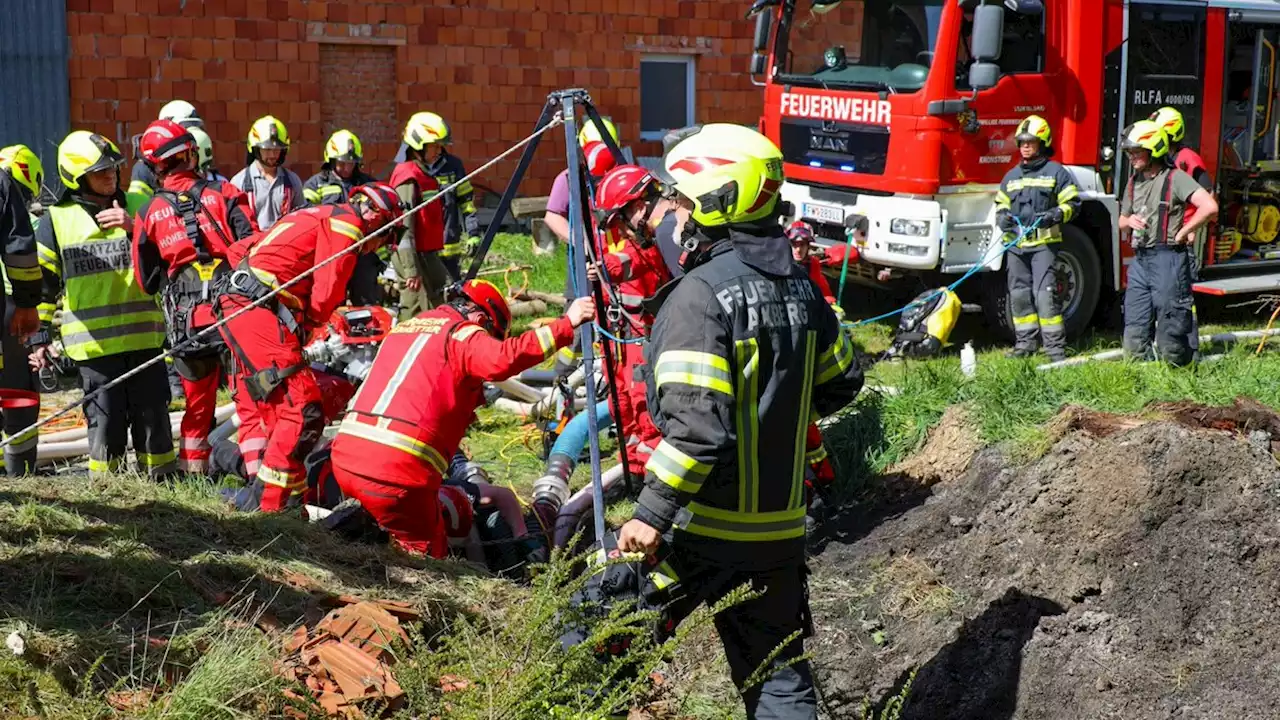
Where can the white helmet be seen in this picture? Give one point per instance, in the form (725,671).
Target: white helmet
(204,146)
(181,112)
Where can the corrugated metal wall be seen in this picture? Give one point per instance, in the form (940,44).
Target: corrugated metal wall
(35,98)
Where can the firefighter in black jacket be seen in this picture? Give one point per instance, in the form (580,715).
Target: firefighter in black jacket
(743,347)
(342,171)
(1040,192)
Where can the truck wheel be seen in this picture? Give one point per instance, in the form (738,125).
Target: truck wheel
(1079,286)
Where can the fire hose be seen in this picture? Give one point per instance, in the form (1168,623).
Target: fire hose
(557,120)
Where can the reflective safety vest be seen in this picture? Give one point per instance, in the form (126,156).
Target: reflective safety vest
(104,311)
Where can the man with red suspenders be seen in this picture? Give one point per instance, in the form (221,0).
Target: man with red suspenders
(1158,297)
(180,241)
(1188,161)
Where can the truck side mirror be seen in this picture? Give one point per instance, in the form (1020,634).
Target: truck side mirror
(988,33)
(764,23)
(983,75)
(757,63)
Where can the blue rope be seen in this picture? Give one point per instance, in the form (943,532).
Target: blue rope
(1023,231)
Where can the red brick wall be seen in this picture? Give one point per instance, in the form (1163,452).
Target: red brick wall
(485,65)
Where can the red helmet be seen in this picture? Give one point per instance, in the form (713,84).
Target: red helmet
(800,232)
(164,139)
(620,187)
(486,296)
(599,158)
(382,198)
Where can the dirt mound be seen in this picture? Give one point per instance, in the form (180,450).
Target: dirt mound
(1133,572)
(947,452)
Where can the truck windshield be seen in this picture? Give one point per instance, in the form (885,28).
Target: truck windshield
(878,44)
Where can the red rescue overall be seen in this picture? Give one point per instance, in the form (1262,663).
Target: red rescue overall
(180,240)
(275,390)
(637,271)
(413,409)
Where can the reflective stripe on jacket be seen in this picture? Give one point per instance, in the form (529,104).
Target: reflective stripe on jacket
(105,311)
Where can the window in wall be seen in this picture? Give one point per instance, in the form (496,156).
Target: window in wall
(666,94)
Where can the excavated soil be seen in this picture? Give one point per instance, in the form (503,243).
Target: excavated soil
(1132,572)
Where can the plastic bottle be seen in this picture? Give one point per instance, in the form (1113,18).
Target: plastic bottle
(968,360)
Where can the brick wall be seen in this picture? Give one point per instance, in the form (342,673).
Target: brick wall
(485,65)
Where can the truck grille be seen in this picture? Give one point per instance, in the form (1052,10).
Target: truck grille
(835,146)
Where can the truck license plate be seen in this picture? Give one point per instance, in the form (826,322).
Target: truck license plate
(823,213)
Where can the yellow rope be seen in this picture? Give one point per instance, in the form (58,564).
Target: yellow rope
(1267,330)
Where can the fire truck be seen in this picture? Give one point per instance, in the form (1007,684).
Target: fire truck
(903,112)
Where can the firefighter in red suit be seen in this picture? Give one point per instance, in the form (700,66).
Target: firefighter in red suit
(180,241)
(821,475)
(414,407)
(629,205)
(275,391)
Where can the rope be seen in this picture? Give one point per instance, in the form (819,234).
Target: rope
(1023,230)
(555,122)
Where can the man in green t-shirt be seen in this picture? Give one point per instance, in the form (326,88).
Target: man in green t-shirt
(1158,299)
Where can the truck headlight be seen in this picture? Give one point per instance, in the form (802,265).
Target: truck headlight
(915,228)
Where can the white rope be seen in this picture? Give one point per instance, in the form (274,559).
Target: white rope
(555,122)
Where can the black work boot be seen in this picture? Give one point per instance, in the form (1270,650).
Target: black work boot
(1019,353)
(1056,355)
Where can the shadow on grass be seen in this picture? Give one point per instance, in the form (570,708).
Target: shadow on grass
(101,582)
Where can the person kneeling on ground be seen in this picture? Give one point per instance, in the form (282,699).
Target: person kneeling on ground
(419,398)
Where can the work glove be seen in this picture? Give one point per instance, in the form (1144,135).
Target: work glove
(471,224)
(1006,222)
(1049,218)
(473,245)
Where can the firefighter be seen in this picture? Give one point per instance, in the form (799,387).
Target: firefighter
(598,162)
(742,349)
(1188,161)
(20,184)
(412,410)
(417,259)
(110,326)
(273,189)
(275,390)
(1040,192)
(204,146)
(462,226)
(1152,213)
(180,241)
(628,204)
(341,172)
(142,180)
(821,475)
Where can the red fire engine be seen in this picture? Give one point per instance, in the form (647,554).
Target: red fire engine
(903,111)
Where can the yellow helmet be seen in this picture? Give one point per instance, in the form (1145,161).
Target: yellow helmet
(730,172)
(590,133)
(204,146)
(268,133)
(345,146)
(426,128)
(1034,127)
(1170,120)
(1146,135)
(84,152)
(24,166)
